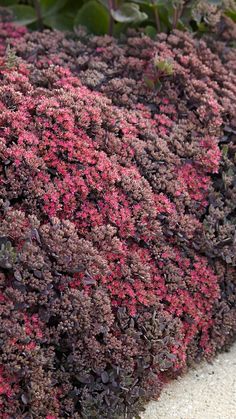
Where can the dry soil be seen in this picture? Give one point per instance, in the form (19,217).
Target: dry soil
(208,392)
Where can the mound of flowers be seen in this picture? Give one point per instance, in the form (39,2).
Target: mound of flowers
(203,72)
(112,277)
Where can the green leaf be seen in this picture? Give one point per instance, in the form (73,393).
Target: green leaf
(146,2)
(149,83)
(24,15)
(231,14)
(150,3)
(225,150)
(119,29)
(94,16)
(105,3)
(51,7)
(182,26)
(216,2)
(60,21)
(5,3)
(165,66)
(129,13)
(202,27)
(164,15)
(150,31)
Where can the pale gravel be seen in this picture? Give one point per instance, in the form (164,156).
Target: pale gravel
(207,392)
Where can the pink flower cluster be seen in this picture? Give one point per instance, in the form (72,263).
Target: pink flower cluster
(55,143)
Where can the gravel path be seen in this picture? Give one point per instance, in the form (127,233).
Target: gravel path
(209,392)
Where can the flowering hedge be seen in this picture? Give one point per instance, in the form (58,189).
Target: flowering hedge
(117,228)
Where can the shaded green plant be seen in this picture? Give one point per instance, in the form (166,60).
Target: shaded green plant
(11,58)
(8,255)
(161,69)
(115,16)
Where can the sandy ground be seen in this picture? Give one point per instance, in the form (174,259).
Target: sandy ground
(209,392)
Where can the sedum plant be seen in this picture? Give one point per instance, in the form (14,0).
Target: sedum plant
(117,265)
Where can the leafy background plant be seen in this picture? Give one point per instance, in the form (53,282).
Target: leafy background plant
(115,16)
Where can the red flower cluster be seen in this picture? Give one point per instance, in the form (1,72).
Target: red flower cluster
(64,170)
(9,31)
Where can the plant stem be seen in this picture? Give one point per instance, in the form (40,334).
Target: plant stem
(177,15)
(38,14)
(157,17)
(180,11)
(175,18)
(111,23)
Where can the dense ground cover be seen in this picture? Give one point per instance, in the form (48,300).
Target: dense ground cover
(117,217)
